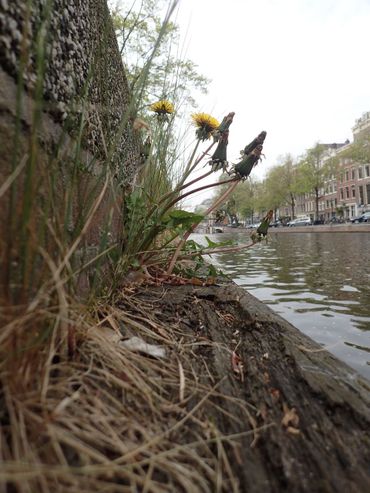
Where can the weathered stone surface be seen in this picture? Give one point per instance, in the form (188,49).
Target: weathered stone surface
(315,409)
(65,131)
(74,44)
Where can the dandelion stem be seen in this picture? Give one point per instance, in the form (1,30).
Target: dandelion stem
(195,180)
(191,229)
(223,197)
(190,169)
(195,190)
(173,195)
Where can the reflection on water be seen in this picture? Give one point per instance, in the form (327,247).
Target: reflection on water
(320,282)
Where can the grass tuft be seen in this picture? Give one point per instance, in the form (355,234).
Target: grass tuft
(80,411)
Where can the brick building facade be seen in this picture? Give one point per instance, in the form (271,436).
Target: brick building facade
(346,194)
(353,181)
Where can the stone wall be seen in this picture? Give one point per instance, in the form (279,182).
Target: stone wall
(83,69)
(66,114)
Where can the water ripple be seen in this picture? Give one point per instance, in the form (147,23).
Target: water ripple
(317,281)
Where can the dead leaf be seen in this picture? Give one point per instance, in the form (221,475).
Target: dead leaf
(226,317)
(196,281)
(237,365)
(275,395)
(290,418)
(293,431)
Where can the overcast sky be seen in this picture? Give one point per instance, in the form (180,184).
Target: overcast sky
(299,69)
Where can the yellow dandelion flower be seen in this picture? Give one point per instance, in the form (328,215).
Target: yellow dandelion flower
(162,107)
(205,124)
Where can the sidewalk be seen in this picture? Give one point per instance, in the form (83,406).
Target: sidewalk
(324,228)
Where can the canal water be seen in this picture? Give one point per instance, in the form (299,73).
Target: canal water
(320,282)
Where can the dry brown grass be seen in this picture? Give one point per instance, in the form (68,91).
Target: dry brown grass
(104,418)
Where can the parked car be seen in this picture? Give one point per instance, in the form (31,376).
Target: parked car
(301,221)
(363,218)
(276,224)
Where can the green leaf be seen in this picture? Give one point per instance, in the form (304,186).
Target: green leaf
(193,246)
(182,218)
(213,244)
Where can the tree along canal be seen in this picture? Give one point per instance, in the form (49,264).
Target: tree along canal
(320,282)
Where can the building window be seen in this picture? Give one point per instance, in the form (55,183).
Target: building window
(341,177)
(347,175)
(367,170)
(353,192)
(360,175)
(341,194)
(361,194)
(352,173)
(334,187)
(347,192)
